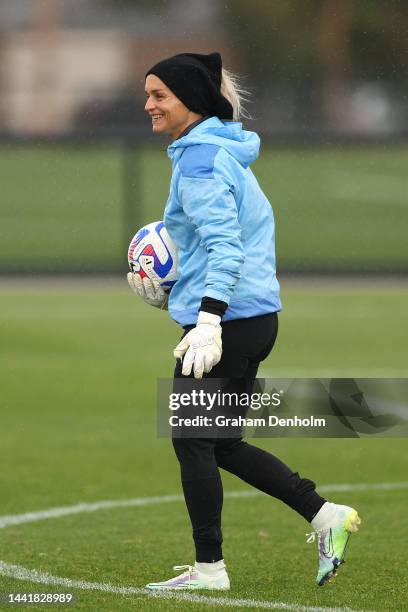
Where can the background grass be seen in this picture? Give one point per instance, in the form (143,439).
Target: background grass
(79,364)
(336,209)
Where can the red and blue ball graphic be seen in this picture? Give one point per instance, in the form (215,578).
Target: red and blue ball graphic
(152,253)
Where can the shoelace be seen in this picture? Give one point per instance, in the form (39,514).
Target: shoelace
(311,537)
(189,569)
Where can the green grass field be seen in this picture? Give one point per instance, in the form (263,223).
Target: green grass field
(79,363)
(335,208)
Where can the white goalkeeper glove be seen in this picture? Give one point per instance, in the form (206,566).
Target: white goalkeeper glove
(149,290)
(202,346)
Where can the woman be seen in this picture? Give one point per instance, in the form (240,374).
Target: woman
(226,299)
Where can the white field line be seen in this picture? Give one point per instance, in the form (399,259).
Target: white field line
(32,517)
(57,512)
(21,573)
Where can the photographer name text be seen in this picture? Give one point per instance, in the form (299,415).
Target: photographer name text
(223,421)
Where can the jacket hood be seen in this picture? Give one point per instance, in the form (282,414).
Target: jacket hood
(241,144)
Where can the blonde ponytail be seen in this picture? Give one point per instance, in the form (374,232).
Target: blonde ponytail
(232,89)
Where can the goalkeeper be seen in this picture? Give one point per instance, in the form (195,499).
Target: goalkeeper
(226,299)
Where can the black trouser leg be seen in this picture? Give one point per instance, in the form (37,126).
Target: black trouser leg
(269,474)
(246,342)
(202,488)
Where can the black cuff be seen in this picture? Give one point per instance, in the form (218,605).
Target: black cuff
(215,307)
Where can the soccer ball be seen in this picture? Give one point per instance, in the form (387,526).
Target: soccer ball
(152,253)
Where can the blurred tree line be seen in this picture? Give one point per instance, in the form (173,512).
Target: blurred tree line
(320,47)
(284,39)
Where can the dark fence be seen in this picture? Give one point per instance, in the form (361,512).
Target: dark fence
(72,204)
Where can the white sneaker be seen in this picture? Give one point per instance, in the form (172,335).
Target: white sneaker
(193,579)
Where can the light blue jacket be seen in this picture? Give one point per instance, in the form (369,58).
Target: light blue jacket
(222,224)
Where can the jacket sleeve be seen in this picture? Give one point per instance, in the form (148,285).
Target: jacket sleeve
(210,205)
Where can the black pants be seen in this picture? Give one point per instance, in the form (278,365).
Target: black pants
(246,342)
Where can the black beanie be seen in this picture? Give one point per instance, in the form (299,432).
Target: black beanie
(196,80)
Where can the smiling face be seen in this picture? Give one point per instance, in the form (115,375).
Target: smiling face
(169,115)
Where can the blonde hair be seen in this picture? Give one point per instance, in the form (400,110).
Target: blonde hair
(232,89)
